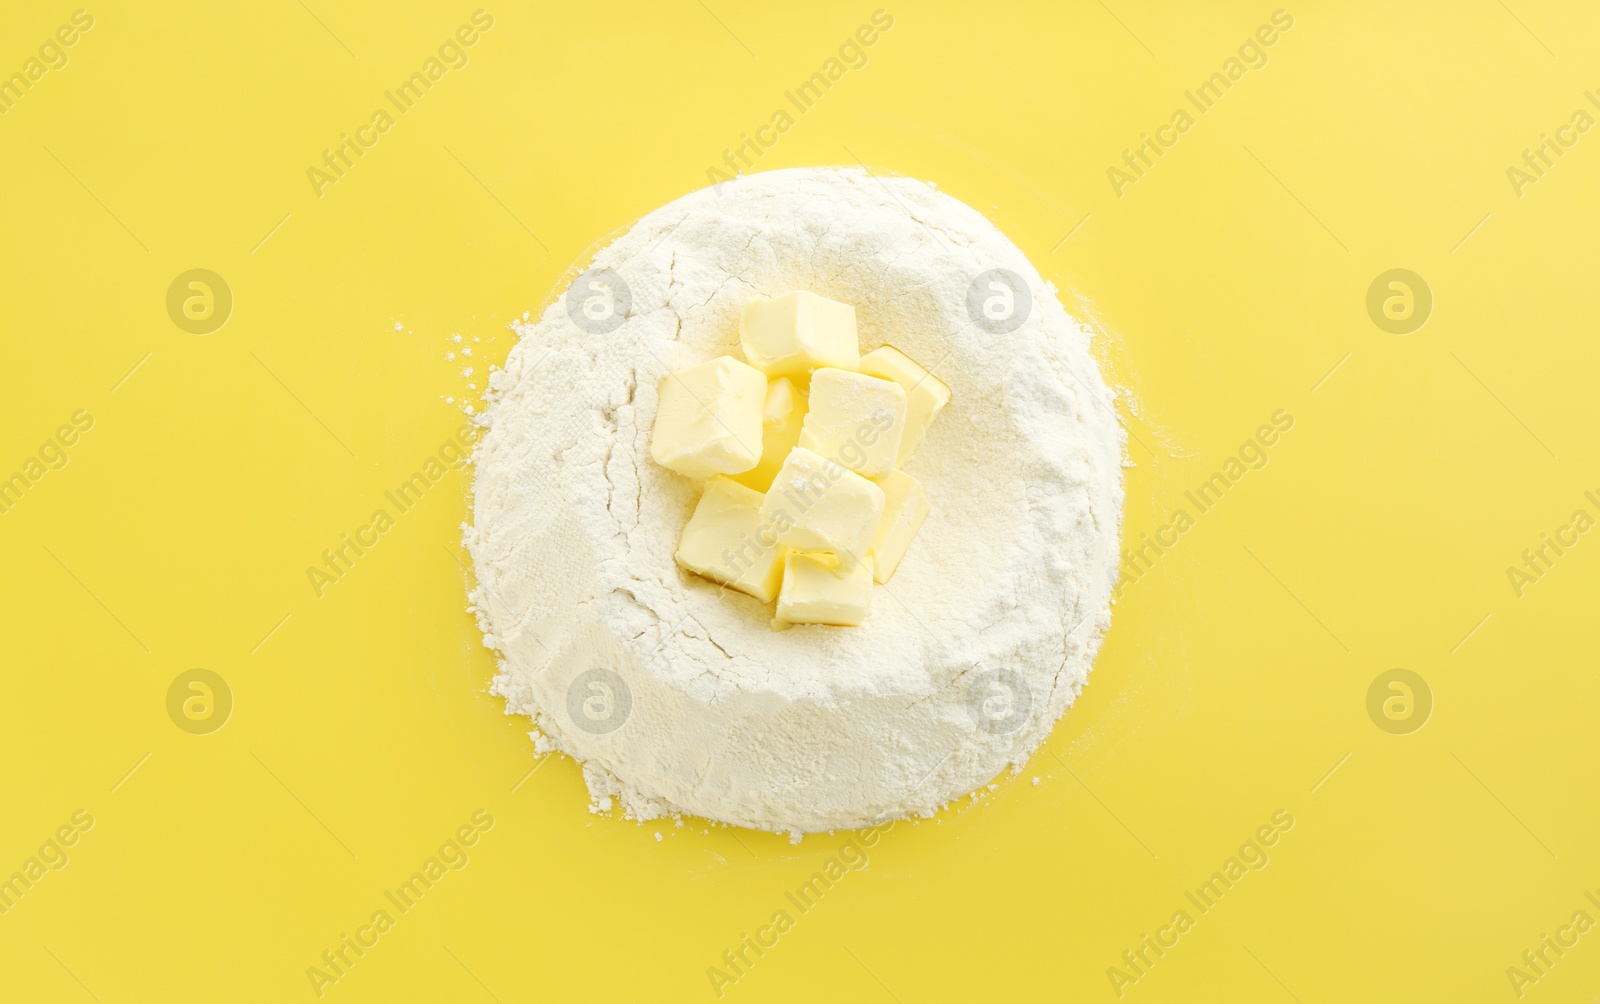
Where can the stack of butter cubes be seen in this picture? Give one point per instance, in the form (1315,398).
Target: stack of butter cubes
(802,445)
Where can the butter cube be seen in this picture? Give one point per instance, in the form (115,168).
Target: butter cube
(905,506)
(780,431)
(723,541)
(856,420)
(792,334)
(708,420)
(817,505)
(824,589)
(925,393)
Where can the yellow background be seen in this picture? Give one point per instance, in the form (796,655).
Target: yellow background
(1231,280)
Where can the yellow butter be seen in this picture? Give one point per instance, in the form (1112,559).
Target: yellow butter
(905,506)
(926,395)
(815,504)
(708,419)
(781,416)
(856,420)
(824,589)
(792,334)
(724,542)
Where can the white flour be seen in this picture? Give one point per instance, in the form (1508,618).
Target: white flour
(678,696)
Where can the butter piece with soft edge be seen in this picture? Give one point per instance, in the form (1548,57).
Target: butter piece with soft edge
(723,541)
(793,334)
(855,419)
(781,416)
(824,589)
(815,504)
(905,506)
(708,418)
(926,395)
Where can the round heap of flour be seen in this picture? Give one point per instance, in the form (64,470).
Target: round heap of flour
(676,694)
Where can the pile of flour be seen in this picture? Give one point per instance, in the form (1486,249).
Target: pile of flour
(676,695)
